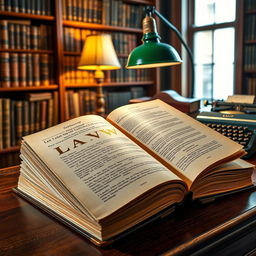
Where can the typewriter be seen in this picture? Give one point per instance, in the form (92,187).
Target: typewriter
(235,120)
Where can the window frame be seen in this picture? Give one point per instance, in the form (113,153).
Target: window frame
(238,27)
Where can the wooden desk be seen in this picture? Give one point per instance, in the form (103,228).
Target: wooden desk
(224,227)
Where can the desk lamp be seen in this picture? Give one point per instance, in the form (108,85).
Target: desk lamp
(99,54)
(152,53)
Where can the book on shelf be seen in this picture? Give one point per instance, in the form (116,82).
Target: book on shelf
(37,7)
(107,177)
(28,113)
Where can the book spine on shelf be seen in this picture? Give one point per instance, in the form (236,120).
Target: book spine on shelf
(22,70)
(13,123)
(8,5)
(43,113)
(22,6)
(25,117)
(29,69)
(36,69)
(14,67)
(11,36)
(5,69)
(4,40)
(18,118)
(1,123)
(6,123)
(31,117)
(2,5)
(17,34)
(44,69)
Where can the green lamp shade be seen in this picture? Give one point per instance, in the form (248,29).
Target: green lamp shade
(153,54)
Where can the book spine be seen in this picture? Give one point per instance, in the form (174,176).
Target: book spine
(4,41)
(69,9)
(33,6)
(36,69)
(37,116)
(34,38)
(64,9)
(11,36)
(8,5)
(1,124)
(28,6)
(14,66)
(22,6)
(29,69)
(18,118)
(38,7)
(31,117)
(50,113)
(22,70)
(2,5)
(17,36)
(5,69)
(48,7)
(44,69)
(25,116)
(55,108)
(23,36)
(43,112)
(6,123)
(79,10)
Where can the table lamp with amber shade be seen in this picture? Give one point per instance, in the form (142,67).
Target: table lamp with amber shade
(99,54)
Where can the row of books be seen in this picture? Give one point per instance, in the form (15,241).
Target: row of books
(37,7)
(128,75)
(250,4)
(9,159)
(19,34)
(25,69)
(74,39)
(74,76)
(250,57)
(251,85)
(83,102)
(250,27)
(115,99)
(106,12)
(20,117)
(79,102)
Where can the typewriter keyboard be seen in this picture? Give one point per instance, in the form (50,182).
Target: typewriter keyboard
(240,134)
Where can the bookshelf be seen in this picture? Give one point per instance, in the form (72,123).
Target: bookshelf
(53,36)
(246,83)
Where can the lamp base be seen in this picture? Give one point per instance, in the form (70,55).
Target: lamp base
(100,101)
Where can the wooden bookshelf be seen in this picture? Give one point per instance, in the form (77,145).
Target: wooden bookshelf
(58,85)
(246,45)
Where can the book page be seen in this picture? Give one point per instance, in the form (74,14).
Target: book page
(98,164)
(177,140)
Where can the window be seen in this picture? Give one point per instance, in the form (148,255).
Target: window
(213,35)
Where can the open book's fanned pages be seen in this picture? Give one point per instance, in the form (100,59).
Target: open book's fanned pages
(187,147)
(88,172)
(107,177)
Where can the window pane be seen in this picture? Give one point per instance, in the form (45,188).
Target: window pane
(225,11)
(203,55)
(214,11)
(203,81)
(204,12)
(203,47)
(223,81)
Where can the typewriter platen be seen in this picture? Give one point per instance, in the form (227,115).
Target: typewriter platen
(236,121)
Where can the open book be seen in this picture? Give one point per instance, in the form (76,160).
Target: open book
(105,177)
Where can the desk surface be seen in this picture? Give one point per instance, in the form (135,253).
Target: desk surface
(227,224)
